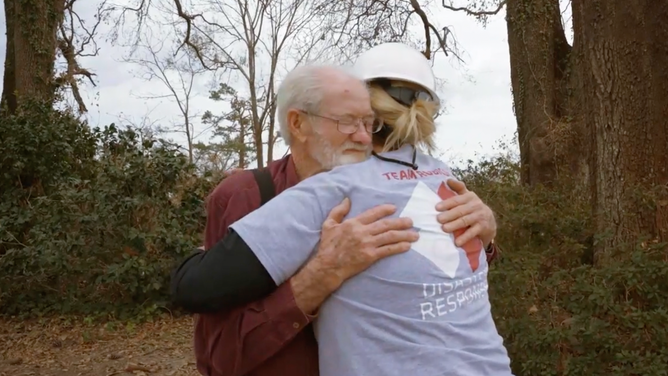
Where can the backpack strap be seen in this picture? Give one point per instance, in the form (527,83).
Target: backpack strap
(266,184)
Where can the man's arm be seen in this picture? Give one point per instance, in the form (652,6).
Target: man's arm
(230,274)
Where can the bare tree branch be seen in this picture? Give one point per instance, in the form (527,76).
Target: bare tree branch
(76,40)
(186,39)
(141,13)
(177,72)
(366,23)
(253,43)
(479,13)
(249,40)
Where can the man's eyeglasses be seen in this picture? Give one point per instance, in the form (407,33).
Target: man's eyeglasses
(350,125)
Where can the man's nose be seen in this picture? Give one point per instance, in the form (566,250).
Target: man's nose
(361,135)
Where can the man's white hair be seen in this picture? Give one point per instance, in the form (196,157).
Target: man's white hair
(302,89)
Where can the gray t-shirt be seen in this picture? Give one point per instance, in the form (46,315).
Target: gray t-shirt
(424,312)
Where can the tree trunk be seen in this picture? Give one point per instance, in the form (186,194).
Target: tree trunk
(8,100)
(243,130)
(598,109)
(31,50)
(271,136)
(626,103)
(539,64)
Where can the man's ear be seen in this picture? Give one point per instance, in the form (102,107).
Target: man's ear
(297,125)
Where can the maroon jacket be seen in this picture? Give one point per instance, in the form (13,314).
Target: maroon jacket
(269,337)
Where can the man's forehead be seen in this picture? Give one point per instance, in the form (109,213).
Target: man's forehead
(345,83)
(345,94)
(346,87)
(348,101)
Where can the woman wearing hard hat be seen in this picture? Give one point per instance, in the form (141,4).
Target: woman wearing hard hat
(427,311)
(403,95)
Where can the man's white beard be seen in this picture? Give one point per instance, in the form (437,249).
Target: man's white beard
(330,157)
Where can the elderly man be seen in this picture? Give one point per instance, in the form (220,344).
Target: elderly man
(273,336)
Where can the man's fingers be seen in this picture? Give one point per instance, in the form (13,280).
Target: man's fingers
(453,202)
(376,213)
(457,186)
(459,223)
(391,249)
(395,236)
(388,224)
(468,235)
(339,212)
(452,214)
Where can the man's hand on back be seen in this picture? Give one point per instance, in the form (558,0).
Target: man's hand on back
(348,247)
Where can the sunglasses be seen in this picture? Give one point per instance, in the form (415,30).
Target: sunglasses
(404,95)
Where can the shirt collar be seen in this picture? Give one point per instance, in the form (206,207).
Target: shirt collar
(291,177)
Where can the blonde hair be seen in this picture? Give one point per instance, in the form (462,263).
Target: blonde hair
(412,125)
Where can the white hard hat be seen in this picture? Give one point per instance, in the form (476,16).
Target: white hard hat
(397,61)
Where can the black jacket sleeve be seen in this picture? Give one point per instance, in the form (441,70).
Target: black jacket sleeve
(225,276)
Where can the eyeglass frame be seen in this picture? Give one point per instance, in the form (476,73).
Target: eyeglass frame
(373,128)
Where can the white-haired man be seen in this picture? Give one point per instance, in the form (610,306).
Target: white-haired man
(331,126)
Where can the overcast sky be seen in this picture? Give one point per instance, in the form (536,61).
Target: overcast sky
(477,95)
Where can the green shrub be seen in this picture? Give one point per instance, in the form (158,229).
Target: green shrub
(105,217)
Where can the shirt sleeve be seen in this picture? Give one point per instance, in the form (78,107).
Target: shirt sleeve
(285,231)
(224,277)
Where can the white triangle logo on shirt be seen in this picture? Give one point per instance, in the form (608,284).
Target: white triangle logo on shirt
(434,244)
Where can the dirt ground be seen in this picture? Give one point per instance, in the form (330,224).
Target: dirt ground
(73,347)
